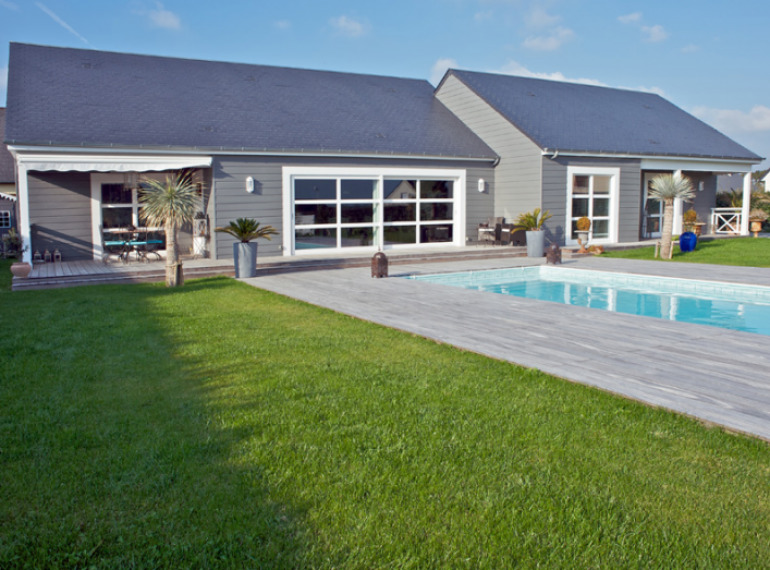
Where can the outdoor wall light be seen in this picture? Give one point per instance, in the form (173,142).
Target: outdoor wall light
(250,184)
(482,185)
(701,186)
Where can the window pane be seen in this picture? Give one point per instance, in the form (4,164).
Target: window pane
(439,211)
(580,185)
(396,235)
(116,194)
(315,239)
(117,217)
(355,213)
(602,184)
(601,206)
(400,189)
(305,214)
(435,234)
(579,207)
(653,225)
(359,189)
(600,228)
(357,237)
(435,189)
(400,213)
(5,220)
(315,189)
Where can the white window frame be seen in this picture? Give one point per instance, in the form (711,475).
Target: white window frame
(614,208)
(99,178)
(457,176)
(5,219)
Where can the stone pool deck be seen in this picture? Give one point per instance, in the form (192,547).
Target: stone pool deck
(716,375)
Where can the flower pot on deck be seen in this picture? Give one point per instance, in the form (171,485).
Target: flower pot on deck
(535,243)
(21,269)
(245,257)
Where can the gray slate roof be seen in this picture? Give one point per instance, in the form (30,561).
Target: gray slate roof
(586,118)
(7,172)
(63,96)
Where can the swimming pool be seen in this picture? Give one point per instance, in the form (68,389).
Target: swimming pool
(727,305)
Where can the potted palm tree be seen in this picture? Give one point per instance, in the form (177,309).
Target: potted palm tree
(245,252)
(170,203)
(532,222)
(666,188)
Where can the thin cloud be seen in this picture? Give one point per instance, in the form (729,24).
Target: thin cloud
(690,48)
(9,5)
(282,24)
(479,17)
(539,18)
(348,26)
(61,22)
(551,42)
(162,18)
(515,68)
(3,79)
(440,68)
(734,120)
(630,18)
(655,33)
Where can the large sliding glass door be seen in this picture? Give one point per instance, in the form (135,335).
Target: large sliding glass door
(653,211)
(370,209)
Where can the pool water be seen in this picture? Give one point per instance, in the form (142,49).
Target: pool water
(727,305)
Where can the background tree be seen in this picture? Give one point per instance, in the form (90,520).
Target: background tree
(170,203)
(666,188)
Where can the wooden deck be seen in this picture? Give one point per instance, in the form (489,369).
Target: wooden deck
(714,374)
(78,273)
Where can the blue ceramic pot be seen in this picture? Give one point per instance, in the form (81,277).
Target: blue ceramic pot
(687,241)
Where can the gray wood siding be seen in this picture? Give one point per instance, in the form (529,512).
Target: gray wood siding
(704,199)
(629,195)
(518,174)
(230,199)
(60,213)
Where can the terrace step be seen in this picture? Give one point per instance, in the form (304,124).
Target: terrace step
(98,274)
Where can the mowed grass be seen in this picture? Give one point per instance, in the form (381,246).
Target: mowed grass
(221,426)
(747,252)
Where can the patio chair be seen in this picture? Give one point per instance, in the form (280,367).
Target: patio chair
(112,246)
(489,231)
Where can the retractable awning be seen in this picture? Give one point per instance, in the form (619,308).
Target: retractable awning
(110,163)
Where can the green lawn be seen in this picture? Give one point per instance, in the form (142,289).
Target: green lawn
(748,251)
(222,426)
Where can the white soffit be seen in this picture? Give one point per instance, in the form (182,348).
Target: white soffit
(110,163)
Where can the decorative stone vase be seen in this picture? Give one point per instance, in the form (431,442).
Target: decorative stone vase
(756,227)
(245,256)
(582,240)
(687,242)
(21,269)
(535,243)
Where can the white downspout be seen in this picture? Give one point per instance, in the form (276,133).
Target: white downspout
(746,208)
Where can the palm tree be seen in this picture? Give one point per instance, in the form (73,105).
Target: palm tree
(247,229)
(666,188)
(170,203)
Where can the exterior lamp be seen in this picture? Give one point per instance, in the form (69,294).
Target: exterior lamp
(250,184)
(482,185)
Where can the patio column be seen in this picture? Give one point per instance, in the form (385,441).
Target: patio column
(677,211)
(746,204)
(22,197)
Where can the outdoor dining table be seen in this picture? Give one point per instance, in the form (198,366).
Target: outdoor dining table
(128,239)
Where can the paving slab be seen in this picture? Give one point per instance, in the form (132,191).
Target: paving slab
(717,375)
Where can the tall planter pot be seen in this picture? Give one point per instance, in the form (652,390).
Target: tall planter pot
(245,256)
(535,243)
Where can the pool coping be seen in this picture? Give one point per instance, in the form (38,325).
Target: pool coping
(717,375)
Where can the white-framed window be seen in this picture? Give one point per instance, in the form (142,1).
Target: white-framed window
(370,208)
(5,220)
(593,192)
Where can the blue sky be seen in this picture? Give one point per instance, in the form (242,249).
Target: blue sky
(708,57)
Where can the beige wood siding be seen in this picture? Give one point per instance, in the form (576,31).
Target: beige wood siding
(517,186)
(60,213)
